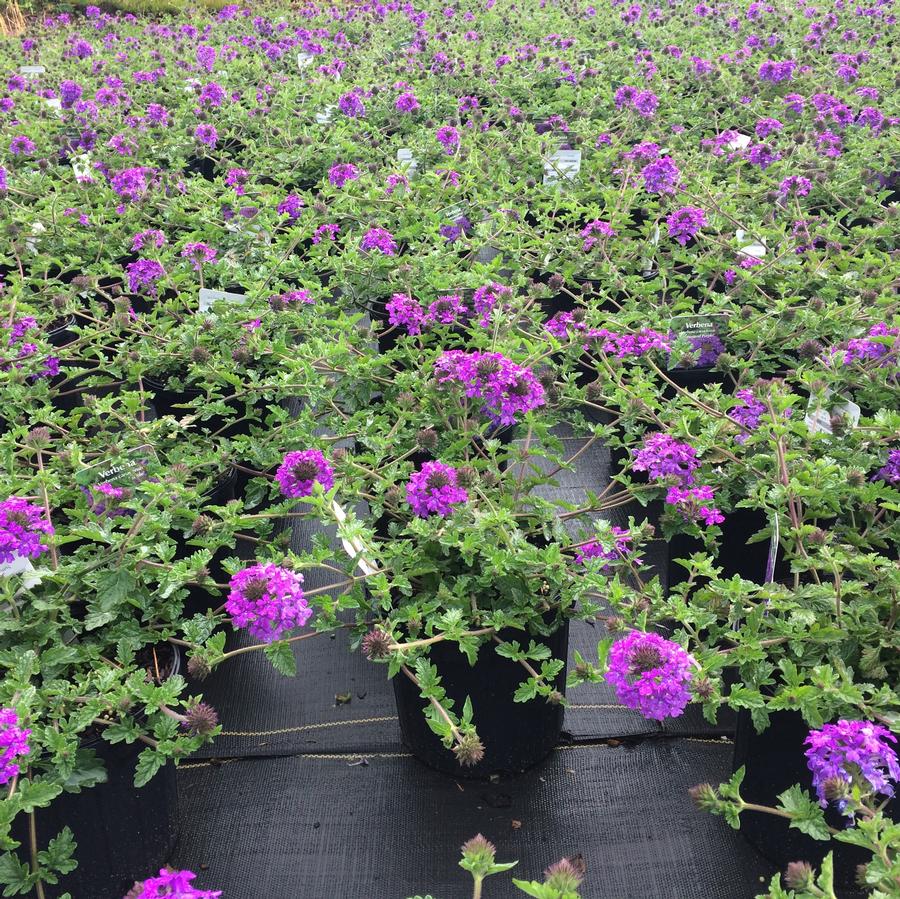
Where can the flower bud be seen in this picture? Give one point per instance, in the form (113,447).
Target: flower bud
(201,719)
(200,354)
(856,478)
(376,644)
(203,524)
(466,476)
(798,876)
(427,439)
(38,437)
(469,751)
(566,875)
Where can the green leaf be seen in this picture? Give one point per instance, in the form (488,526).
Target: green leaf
(148,763)
(15,875)
(806,814)
(58,854)
(36,793)
(282,657)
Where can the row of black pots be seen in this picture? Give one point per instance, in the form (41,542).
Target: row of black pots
(123,833)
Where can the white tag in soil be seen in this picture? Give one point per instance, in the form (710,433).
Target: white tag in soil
(208,298)
(818,418)
(31,70)
(648,263)
(326,116)
(695,330)
(55,104)
(739,142)
(408,161)
(125,470)
(305,60)
(23,567)
(749,247)
(562,165)
(81,166)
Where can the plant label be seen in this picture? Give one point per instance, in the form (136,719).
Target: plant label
(739,142)
(126,470)
(821,419)
(696,340)
(55,104)
(326,116)
(23,567)
(648,263)
(208,298)
(749,247)
(408,161)
(81,166)
(305,60)
(31,70)
(562,165)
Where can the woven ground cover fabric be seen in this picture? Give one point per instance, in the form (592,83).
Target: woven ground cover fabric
(314,826)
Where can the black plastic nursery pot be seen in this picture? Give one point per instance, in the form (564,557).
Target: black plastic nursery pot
(516,735)
(774,760)
(124,833)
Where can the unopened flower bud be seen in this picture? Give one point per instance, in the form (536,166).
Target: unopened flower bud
(376,644)
(406,400)
(810,349)
(555,698)
(427,439)
(339,454)
(202,719)
(703,687)
(466,476)
(798,876)
(556,281)
(198,667)
(38,437)
(856,478)
(393,495)
(202,525)
(200,354)
(566,875)
(703,796)
(469,751)
(818,537)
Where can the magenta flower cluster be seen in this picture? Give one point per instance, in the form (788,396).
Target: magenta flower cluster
(22,528)
(685,223)
(890,471)
(877,344)
(170,884)
(434,490)
(267,600)
(651,675)
(856,753)
(748,413)
(144,273)
(13,745)
(663,456)
(300,470)
(694,504)
(620,551)
(379,239)
(504,388)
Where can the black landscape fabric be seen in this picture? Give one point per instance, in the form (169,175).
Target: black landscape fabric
(386,827)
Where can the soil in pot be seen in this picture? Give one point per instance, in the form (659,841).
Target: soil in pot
(774,760)
(516,735)
(123,832)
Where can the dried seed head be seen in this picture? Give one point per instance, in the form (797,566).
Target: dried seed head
(466,476)
(198,668)
(469,751)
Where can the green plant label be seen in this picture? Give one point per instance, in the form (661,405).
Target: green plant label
(820,419)
(563,165)
(209,298)
(125,470)
(696,340)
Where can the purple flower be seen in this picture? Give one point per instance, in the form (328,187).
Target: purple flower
(407,102)
(620,550)
(855,753)
(325,232)
(875,345)
(505,389)
(595,227)
(171,885)
(340,174)
(645,102)
(485,299)
(152,236)
(685,223)
(13,745)
(157,115)
(434,491)
(69,92)
(198,253)
(131,184)
(661,176)
(890,471)
(290,298)
(829,144)
(21,145)
(651,674)
(748,413)
(776,72)
(300,471)
(379,239)
(765,127)
(144,273)
(22,527)
(794,185)
(693,503)
(404,311)
(291,206)
(663,456)
(448,138)
(4,184)
(352,106)
(206,134)
(623,345)
(762,155)
(206,57)
(267,600)
(446,310)
(212,95)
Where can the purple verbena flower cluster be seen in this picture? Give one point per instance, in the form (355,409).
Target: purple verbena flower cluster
(267,600)
(662,456)
(300,470)
(22,528)
(170,885)
(13,744)
(434,490)
(504,388)
(854,753)
(379,239)
(651,674)
(694,504)
(685,223)
(620,551)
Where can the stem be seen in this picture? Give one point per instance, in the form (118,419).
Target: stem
(415,644)
(437,706)
(35,868)
(476,892)
(54,560)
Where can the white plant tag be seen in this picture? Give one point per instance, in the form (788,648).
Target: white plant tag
(326,116)
(37,229)
(648,263)
(563,164)
(406,158)
(739,142)
(753,249)
(23,567)
(818,418)
(31,70)
(353,547)
(81,166)
(305,60)
(55,104)
(209,297)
